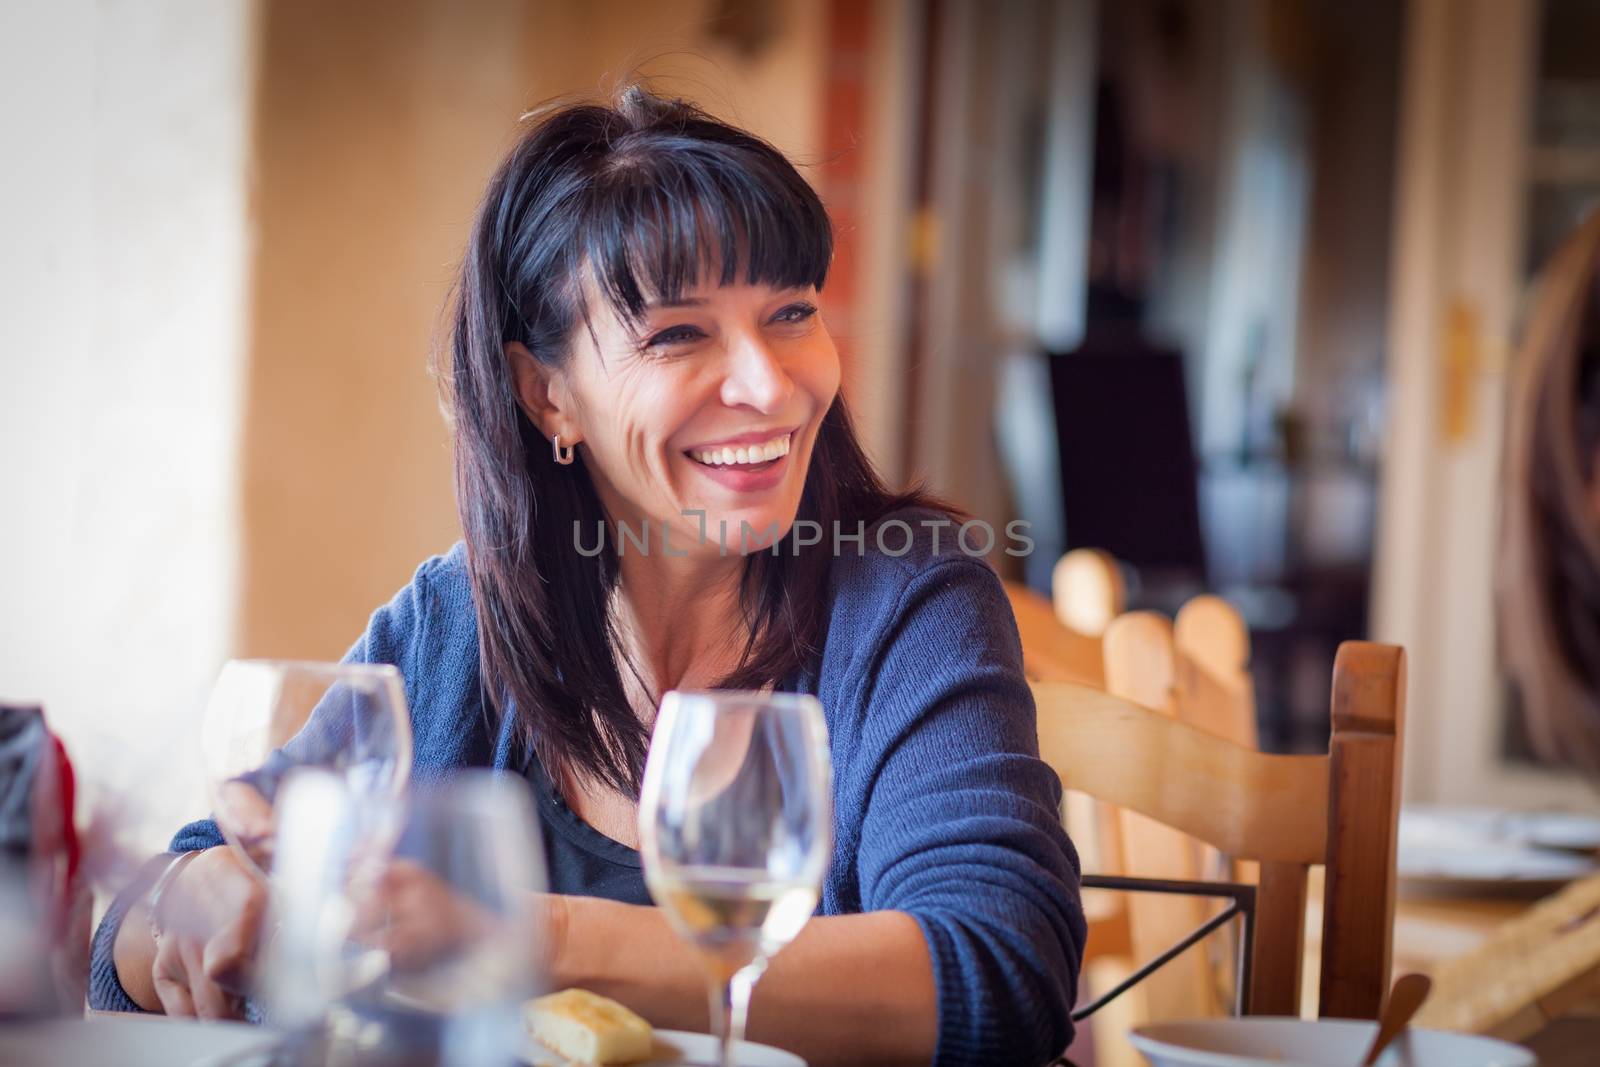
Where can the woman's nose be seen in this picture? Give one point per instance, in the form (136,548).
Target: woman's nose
(756,377)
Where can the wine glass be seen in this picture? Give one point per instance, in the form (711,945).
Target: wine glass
(423,952)
(312,959)
(268,717)
(736,830)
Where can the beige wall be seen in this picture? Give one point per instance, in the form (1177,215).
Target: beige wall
(378,125)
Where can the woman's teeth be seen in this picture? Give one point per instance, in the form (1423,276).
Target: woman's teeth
(764,452)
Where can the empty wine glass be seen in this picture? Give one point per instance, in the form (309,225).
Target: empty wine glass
(423,953)
(736,829)
(267,717)
(313,959)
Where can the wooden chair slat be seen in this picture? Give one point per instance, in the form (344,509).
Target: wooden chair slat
(1212,670)
(1210,631)
(1246,803)
(1278,960)
(1165,745)
(1139,667)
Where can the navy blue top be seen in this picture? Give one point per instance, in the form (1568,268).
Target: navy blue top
(581,860)
(942,808)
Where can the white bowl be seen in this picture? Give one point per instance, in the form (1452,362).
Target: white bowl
(1257,1040)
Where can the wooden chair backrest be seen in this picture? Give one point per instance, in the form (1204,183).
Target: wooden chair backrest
(1088,590)
(1051,652)
(1286,812)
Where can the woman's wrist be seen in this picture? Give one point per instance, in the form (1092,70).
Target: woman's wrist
(153,897)
(553,919)
(630,953)
(590,941)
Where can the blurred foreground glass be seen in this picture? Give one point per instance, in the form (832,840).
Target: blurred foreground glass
(44,894)
(423,954)
(267,717)
(736,829)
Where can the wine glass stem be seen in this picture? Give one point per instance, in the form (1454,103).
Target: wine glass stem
(731,1004)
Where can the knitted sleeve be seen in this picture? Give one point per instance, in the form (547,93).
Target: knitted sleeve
(962,828)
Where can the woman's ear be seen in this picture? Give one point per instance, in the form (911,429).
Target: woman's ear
(542,393)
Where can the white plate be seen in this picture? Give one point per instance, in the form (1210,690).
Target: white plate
(1491,862)
(1488,867)
(1436,824)
(128,1041)
(677,1048)
(1257,1041)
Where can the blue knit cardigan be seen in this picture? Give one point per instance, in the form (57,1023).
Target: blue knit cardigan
(943,809)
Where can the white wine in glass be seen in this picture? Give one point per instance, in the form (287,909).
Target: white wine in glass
(736,831)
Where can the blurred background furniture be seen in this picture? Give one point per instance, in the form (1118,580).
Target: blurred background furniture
(1051,650)
(1088,589)
(1538,968)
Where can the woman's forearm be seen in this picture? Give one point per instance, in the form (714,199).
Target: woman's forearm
(850,989)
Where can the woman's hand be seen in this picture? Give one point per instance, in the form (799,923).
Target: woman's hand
(208,926)
(416,916)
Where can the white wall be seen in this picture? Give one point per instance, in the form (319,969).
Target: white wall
(122,280)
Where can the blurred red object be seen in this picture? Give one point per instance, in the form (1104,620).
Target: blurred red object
(45,902)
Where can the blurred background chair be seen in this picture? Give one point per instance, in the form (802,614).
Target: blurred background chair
(1051,650)
(1088,589)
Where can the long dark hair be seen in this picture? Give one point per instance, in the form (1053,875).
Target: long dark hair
(648,194)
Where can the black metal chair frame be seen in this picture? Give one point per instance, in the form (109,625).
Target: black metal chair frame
(1241,905)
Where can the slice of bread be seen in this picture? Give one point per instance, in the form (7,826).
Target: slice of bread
(588,1028)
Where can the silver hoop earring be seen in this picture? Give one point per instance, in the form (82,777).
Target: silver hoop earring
(564,456)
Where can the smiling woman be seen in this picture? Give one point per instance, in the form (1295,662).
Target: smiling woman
(646,281)
(639,343)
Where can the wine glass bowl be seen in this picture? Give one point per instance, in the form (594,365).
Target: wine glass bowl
(421,952)
(268,717)
(736,830)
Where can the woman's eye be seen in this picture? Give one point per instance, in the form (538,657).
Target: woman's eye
(674,335)
(795,313)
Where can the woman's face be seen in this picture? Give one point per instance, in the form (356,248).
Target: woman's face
(711,405)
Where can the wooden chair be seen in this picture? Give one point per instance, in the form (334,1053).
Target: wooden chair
(1212,670)
(1285,812)
(1197,671)
(1051,652)
(1061,634)
(1088,590)
(1204,657)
